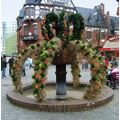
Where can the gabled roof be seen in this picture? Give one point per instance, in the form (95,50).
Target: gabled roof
(30,2)
(89,17)
(56,3)
(21,13)
(114,24)
(93,17)
(33,1)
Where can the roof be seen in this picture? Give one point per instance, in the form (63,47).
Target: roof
(29,1)
(58,3)
(111,44)
(93,17)
(114,24)
(21,13)
(33,1)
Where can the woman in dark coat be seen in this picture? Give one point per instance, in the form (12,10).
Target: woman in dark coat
(4,66)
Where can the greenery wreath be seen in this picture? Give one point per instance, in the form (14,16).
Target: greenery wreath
(65,20)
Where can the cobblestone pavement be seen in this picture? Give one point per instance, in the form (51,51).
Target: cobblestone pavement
(109,111)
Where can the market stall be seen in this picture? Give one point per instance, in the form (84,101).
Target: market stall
(110,49)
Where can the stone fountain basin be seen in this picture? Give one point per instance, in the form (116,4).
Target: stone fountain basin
(73,102)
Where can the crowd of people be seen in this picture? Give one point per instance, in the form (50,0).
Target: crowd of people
(4,63)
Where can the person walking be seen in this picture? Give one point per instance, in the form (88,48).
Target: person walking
(31,66)
(11,62)
(23,70)
(4,66)
(1,63)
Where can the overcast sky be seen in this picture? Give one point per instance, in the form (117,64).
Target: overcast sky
(10,8)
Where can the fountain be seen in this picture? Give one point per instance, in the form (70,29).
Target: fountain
(57,46)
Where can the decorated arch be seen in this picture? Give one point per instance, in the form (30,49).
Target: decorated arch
(68,36)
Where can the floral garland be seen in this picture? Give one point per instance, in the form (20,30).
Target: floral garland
(78,22)
(65,20)
(75,65)
(44,54)
(75,70)
(45,31)
(36,49)
(98,68)
(41,65)
(45,23)
(19,62)
(65,32)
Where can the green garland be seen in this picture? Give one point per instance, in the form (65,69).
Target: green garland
(97,67)
(78,23)
(64,19)
(50,17)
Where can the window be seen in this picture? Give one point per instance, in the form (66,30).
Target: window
(25,30)
(43,12)
(88,34)
(102,35)
(29,11)
(35,30)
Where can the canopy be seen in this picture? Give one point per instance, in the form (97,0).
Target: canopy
(110,46)
(108,49)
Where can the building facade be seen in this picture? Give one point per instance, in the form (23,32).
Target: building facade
(29,19)
(3,37)
(99,25)
(9,32)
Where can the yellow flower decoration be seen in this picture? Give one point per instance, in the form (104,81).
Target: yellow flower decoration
(43,48)
(19,55)
(36,86)
(40,65)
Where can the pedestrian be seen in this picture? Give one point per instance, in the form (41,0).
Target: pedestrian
(4,66)
(31,66)
(114,62)
(27,63)
(11,62)
(1,63)
(23,70)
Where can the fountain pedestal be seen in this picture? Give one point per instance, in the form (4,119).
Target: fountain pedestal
(61,81)
(60,69)
(60,76)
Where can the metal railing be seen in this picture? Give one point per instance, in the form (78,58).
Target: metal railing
(29,37)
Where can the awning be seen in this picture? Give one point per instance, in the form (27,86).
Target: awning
(108,49)
(111,45)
